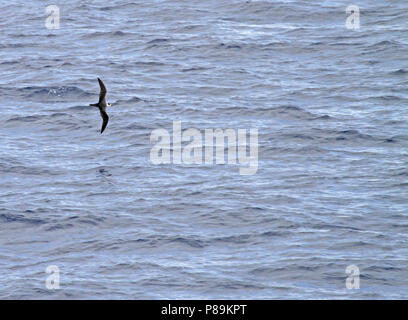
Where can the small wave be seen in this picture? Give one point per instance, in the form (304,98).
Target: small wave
(149,63)
(399,71)
(59,114)
(194,69)
(288,111)
(25,118)
(300,136)
(228,46)
(17,45)
(131,100)
(324,117)
(7,218)
(400,173)
(158,40)
(10,62)
(386,98)
(385,43)
(294,111)
(84,107)
(107,34)
(119,6)
(189,242)
(237,239)
(352,134)
(45,93)
(59,226)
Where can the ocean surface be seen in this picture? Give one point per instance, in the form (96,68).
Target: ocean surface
(331,108)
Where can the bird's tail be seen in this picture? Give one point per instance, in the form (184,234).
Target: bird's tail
(93,104)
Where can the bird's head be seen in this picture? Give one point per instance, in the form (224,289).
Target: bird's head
(109,104)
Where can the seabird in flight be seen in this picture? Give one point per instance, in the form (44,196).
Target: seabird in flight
(102,105)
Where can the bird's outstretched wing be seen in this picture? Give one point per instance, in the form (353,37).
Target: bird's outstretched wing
(102,94)
(105,119)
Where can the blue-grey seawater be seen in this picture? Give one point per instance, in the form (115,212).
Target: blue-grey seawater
(331,190)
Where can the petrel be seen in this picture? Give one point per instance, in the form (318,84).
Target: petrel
(102,105)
